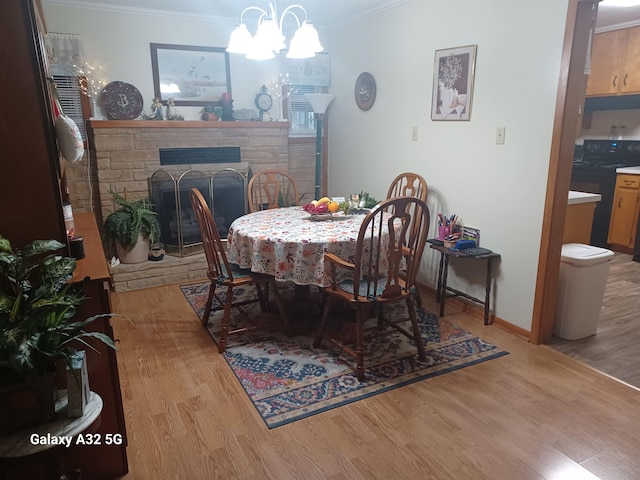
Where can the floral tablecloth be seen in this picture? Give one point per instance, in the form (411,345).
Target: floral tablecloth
(287,244)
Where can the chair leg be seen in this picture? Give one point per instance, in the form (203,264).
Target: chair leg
(325,316)
(261,297)
(207,308)
(361,314)
(417,336)
(282,309)
(224,325)
(418,298)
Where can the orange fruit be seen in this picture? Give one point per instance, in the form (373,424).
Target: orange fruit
(333,206)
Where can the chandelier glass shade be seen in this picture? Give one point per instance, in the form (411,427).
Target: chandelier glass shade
(269,39)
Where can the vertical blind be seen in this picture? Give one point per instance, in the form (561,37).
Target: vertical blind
(69,95)
(299,111)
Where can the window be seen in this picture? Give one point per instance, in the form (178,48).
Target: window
(73,102)
(299,111)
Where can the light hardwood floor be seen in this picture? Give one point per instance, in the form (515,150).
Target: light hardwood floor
(615,348)
(533,414)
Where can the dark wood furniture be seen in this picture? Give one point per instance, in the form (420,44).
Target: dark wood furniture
(31,209)
(227,275)
(443,270)
(30,199)
(367,288)
(104,461)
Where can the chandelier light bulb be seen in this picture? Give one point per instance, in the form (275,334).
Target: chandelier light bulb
(269,39)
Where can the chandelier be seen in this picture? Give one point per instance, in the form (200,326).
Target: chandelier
(269,39)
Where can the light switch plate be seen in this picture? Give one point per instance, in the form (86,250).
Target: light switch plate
(500,135)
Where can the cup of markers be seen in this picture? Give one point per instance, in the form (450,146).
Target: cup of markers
(447,227)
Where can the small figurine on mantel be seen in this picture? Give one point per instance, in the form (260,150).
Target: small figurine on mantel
(172,112)
(156,110)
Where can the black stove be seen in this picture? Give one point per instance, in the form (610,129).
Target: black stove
(594,171)
(608,154)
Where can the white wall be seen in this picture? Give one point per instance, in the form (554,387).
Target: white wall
(499,189)
(119,42)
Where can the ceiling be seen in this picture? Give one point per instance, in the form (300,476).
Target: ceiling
(323,13)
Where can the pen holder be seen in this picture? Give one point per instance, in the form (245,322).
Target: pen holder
(443,231)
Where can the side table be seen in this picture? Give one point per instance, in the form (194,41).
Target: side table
(34,446)
(443,270)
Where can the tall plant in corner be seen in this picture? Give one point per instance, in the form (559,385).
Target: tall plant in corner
(134,220)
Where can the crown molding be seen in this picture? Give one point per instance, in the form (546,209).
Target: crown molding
(134,10)
(618,26)
(368,13)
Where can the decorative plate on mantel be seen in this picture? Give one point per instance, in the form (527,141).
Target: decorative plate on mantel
(121,101)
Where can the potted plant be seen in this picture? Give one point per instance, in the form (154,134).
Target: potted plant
(37,329)
(132,227)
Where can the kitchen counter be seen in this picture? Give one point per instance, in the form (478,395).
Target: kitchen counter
(579,220)
(629,170)
(584,197)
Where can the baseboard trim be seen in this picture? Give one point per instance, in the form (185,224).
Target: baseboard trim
(476,311)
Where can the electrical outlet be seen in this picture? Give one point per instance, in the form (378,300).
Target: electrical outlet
(414,134)
(500,135)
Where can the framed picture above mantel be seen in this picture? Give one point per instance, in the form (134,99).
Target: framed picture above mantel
(453,74)
(191,75)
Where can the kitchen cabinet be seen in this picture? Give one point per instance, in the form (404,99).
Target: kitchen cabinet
(624,214)
(578,222)
(615,63)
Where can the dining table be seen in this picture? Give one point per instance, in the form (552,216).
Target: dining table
(290,244)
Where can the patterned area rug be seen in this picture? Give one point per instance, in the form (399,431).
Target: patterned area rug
(287,379)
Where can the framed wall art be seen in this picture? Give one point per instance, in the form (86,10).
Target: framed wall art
(191,75)
(453,73)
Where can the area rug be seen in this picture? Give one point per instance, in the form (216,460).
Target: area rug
(287,379)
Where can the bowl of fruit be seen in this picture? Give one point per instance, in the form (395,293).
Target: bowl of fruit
(322,209)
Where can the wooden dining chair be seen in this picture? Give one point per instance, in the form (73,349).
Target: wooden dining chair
(413,185)
(408,184)
(271,189)
(224,274)
(367,287)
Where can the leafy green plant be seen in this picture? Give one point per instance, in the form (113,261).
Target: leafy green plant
(369,201)
(37,308)
(132,219)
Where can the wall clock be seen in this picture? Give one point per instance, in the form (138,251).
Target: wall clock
(121,101)
(264,101)
(365,91)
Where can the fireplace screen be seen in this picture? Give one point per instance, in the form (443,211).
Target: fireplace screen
(225,193)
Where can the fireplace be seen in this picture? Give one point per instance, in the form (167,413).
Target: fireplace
(224,191)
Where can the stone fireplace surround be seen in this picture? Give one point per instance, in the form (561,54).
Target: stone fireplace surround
(126,153)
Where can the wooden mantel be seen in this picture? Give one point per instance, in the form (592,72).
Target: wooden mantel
(182,124)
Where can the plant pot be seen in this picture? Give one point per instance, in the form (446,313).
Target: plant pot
(210,117)
(27,404)
(138,253)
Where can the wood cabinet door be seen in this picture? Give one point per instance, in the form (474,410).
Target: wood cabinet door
(624,216)
(607,54)
(631,69)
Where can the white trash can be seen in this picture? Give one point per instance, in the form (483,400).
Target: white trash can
(581,285)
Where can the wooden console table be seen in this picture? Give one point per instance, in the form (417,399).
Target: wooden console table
(443,270)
